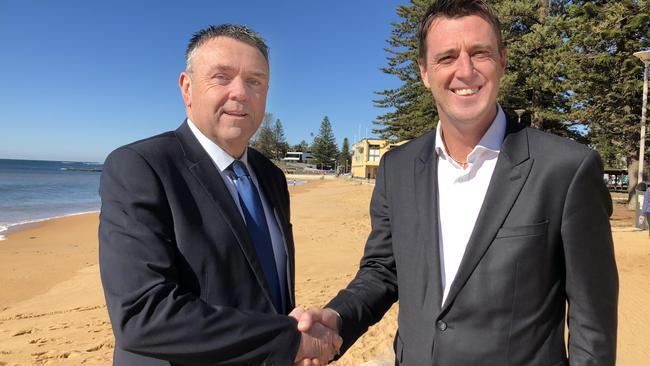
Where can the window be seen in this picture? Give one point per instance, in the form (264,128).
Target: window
(373,153)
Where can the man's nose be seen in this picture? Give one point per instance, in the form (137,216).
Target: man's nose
(238,89)
(465,66)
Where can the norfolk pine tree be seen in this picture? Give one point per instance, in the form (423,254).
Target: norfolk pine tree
(570,66)
(413,111)
(537,64)
(535,77)
(303,146)
(324,150)
(281,146)
(263,140)
(345,159)
(607,80)
(269,138)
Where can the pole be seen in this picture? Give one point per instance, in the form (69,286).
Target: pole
(643,114)
(519,112)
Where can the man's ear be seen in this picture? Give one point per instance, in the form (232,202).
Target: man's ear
(185,83)
(504,59)
(422,65)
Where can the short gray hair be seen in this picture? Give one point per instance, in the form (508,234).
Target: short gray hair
(234,31)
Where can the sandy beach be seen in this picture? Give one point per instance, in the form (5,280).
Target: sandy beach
(52,308)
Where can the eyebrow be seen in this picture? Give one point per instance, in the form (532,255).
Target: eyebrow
(259,74)
(453,50)
(221,67)
(447,52)
(482,46)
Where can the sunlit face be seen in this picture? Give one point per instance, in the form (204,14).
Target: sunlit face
(463,68)
(225,92)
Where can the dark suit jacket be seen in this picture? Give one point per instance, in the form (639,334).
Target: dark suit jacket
(542,239)
(182,280)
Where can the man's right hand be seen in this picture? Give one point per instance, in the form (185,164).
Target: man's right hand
(320,336)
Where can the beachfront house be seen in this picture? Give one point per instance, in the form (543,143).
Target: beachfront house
(366,155)
(297,157)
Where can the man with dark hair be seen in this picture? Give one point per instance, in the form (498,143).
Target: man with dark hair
(492,236)
(196,250)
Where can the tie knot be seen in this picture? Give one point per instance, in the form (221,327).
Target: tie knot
(239,168)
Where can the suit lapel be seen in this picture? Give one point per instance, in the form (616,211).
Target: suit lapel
(265,180)
(426,195)
(202,167)
(509,176)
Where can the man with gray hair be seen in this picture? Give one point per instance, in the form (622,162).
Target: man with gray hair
(196,249)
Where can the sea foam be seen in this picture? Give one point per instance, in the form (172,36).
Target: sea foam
(4,229)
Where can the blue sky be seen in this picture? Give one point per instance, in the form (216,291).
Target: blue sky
(80,78)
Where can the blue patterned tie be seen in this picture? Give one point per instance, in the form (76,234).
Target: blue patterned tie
(251,205)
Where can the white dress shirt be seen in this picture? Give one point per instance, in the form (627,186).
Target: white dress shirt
(222,161)
(461,193)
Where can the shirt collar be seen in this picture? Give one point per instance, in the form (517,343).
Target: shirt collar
(218,155)
(491,140)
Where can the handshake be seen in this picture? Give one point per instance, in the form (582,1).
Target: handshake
(320,340)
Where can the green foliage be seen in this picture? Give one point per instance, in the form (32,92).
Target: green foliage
(536,74)
(303,146)
(570,66)
(324,149)
(264,139)
(413,111)
(345,158)
(281,146)
(607,79)
(269,138)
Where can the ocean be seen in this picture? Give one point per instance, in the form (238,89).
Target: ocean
(35,190)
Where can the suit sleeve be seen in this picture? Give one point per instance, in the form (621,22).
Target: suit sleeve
(152,315)
(374,289)
(591,275)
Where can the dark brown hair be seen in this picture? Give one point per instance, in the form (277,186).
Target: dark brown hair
(456,9)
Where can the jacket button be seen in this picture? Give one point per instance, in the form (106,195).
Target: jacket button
(442,326)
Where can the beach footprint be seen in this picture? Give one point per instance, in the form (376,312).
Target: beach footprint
(104,345)
(25,331)
(40,341)
(59,326)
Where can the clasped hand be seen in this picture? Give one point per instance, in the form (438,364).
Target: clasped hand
(320,340)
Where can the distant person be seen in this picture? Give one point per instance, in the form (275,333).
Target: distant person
(493,236)
(644,218)
(196,249)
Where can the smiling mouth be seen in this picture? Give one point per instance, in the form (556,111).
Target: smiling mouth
(236,114)
(466,91)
